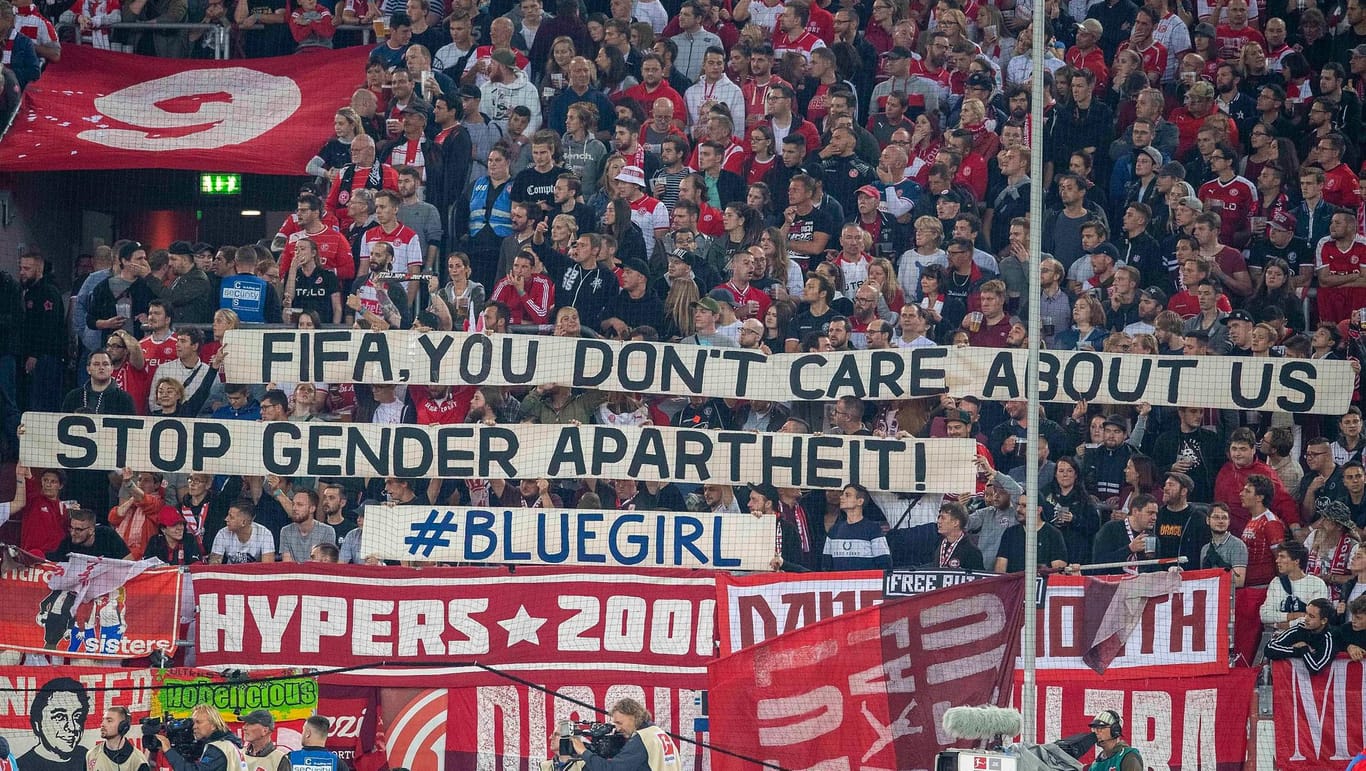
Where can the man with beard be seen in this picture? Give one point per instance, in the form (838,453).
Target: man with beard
(44,334)
(116,753)
(1181,529)
(332,508)
(1104,465)
(362,173)
(377,301)
(1225,551)
(298,538)
(58,720)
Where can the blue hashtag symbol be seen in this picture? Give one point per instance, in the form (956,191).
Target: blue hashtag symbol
(433,532)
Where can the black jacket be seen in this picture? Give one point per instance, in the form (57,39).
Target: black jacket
(103,304)
(44,319)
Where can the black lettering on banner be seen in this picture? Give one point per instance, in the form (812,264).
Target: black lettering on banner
(453,462)
(1177,365)
(1263,388)
(847,376)
(376,457)
(1048,376)
(203,450)
(323,355)
(885,466)
(436,351)
(815,463)
(684,441)
(609,446)
(74,431)
(1070,376)
(412,437)
(568,450)
(510,374)
(735,442)
(927,380)
(179,437)
(498,446)
(1297,376)
(374,349)
(284,460)
(324,458)
(794,376)
(743,358)
(1140,387)
(647,354)
(481,359)
(1001,374)
(676,367)
(121,428)
(887,370)
(270,356)
(792,462)
(592,363)
(649,452)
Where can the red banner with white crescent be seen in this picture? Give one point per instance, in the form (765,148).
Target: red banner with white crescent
(106,110)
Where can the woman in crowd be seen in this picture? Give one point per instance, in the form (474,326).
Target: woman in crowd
(1088,332)
(762,155)
(1140,478)
(743,229)
(336,152)
(607,184)
(555,74)
(776,323)
(614,77)
(1274,290)
(464,296)
(1073,511)
(616,222)
(928,250)
(882,275)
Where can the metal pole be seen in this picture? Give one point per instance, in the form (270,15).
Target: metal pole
(1029,636)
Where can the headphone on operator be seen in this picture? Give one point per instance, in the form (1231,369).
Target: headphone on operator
(125,722)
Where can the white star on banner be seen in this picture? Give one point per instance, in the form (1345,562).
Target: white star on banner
(523,627)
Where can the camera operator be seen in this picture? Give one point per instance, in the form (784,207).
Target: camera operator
(222,750)
(116,753)
(647,747)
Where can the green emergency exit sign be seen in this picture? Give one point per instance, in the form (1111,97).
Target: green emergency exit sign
(220,184)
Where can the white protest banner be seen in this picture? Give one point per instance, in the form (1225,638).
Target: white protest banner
(342,356)
(518,451)
(521,536)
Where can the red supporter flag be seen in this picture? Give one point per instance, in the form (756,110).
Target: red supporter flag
(867,689)
(103,110)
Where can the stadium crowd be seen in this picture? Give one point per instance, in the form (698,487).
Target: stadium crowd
(779,177)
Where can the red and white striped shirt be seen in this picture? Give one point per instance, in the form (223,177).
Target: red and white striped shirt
(407,249)
(803,44)
(30,23)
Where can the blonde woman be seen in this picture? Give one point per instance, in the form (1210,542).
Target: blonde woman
(336,153)
(882,275)
(928,250)
(778,265)
(678,309)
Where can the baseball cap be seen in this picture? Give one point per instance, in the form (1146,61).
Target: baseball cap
(707,303)
(127,249)
(259,717)
(504,57)
(1283,219)
(1202,89)
(1359,50)
(631,174)
(1154,153)
(471,92)
(899,52)
(169,516)
(1108,249)
(723,296)
(1091,25)
(1239,315)
(1182,479)
(414,108)
(868,190)
(1107,719)
(180,247)
(1156,295)
(951,196)
(979,80)
(636,264)
(1203,28)
(1191,202)
(958,416)
(1117,422)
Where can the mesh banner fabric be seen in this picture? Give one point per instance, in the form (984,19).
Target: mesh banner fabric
(104,110)
(345,356)
(108,442)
